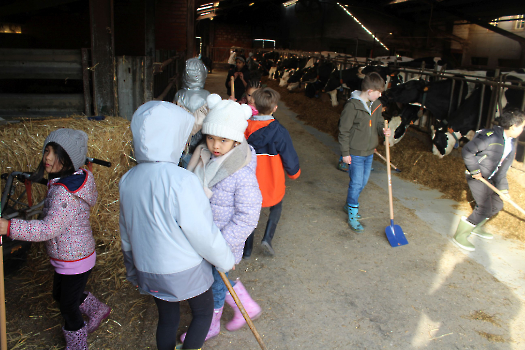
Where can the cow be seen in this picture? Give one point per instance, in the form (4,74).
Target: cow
(435,96)
(286,75)
(293,62)
(351,79)
(461,123)
(316,78)
(399,124)
(295,80)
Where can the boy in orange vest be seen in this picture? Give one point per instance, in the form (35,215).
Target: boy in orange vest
(275,156)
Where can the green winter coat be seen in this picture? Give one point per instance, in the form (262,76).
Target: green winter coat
(359,127)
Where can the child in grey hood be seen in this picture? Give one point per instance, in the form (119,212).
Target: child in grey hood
(169,240)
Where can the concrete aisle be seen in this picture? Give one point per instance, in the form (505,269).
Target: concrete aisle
(330,288)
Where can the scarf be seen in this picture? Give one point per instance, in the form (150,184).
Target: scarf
(211,170)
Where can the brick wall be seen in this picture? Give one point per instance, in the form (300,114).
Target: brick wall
(170,25)
(227,35)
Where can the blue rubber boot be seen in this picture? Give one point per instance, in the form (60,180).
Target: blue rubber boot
(345,209)
(352,219)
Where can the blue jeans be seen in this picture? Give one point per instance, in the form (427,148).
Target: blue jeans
(359,171)
(219,289)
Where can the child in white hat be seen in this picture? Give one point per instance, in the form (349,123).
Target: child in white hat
(225,166)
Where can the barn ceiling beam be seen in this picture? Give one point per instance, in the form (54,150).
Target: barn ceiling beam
(490,27)
(24,6)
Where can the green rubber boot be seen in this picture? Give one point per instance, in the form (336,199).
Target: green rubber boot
(480,232)
(462,232)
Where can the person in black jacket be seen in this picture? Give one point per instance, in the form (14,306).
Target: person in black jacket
(241,75)
(488,155)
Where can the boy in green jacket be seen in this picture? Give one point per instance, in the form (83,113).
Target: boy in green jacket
(359,126)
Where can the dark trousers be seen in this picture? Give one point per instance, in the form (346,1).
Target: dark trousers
(273,220)
(169,316)
(488,202)
(68,291)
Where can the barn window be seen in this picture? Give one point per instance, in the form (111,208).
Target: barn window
(10,28)
(520,23)
(479,61)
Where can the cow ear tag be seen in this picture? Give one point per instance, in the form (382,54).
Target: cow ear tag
(425,89)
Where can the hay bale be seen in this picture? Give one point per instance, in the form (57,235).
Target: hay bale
(109,140)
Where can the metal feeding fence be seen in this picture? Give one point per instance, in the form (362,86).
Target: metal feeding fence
(492,88)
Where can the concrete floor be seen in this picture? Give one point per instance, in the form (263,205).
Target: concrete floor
(449,284)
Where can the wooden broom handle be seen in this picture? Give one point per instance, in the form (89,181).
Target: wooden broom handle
(241,308)
(3,334)
(232,79)
(390,200)
(502,195)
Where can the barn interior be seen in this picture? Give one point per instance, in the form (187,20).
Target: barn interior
(73,59)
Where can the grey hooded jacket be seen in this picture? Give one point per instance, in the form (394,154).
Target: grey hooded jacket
(169,240)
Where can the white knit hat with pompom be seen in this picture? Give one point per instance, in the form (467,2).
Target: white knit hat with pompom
(226,118)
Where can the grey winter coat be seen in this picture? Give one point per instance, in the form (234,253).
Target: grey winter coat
(169,240)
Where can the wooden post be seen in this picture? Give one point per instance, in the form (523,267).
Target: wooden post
(190,29)
(102,52)
(149,47)
(85,80)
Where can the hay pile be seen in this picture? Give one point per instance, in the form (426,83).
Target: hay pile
(109,140)
(413,155)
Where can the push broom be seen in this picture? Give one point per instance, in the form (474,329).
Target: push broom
(394,233)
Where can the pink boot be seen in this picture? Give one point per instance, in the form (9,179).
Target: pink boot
(95,310)
(215,327)
(252,308)
(76,340)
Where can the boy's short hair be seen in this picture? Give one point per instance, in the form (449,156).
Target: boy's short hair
(373,81)
(265,100)
(510,117)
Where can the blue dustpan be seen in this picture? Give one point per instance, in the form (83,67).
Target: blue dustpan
(394,233)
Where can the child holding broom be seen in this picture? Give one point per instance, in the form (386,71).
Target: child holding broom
(66,232)
(359,126)
(225,166)
(169,240)
(489,155)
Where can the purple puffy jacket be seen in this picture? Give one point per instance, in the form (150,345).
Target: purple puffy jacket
(236,206)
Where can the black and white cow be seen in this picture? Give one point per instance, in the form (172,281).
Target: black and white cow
(434,96)
(351,79)
(316,78)
(295,79)
(399,124)
(461,123)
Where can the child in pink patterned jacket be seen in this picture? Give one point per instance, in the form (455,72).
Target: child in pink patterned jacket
(66,231)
